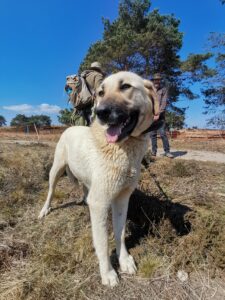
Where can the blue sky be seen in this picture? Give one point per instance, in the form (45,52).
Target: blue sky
(43,41)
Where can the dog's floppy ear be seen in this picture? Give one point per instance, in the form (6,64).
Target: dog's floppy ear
(151,92)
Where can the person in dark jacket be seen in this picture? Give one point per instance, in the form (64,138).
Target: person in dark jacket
(162,93)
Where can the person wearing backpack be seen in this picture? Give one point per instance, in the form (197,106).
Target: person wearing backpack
(81,90)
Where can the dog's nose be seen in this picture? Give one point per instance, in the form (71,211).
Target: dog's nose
(111,114)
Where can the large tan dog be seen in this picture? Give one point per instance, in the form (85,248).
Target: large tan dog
(106,158)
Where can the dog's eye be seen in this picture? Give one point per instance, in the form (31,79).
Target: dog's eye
(125,86)
(101,93)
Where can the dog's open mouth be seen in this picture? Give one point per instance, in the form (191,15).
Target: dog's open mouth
(117,132)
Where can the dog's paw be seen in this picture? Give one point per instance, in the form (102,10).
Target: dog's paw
(110,278)
(44,212)
(127,265)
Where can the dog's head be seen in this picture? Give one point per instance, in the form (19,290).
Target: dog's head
(125,105)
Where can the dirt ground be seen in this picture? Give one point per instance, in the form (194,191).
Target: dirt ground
(213,145)
(199,155)
(175,231)
(211,151)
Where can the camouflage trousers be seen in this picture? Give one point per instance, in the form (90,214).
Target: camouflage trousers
(82,117)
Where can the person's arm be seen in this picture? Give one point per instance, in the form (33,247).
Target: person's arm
(163,103)
(156,117)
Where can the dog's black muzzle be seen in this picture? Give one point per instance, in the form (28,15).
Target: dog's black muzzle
(111,114)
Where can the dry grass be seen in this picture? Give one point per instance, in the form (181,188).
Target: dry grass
(47,137)
(180,144)
(176,221)
(215,145)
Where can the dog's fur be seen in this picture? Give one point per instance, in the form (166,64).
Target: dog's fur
(108,170)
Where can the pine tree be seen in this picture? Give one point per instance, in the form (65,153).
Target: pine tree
(147,42)
(2,121)
(65,116)
(214,86)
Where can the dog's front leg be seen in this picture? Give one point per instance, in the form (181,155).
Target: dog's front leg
(99,213)
(119,209)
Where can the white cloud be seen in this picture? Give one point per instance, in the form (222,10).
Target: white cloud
(47,108)
(38,109)
(19,108)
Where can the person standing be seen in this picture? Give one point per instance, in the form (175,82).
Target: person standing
(162,93)
(94,77)
(84,91)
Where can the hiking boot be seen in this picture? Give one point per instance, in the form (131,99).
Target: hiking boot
(169,155)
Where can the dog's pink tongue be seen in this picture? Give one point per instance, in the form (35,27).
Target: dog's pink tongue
(112,134)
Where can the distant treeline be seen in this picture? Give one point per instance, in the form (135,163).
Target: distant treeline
(39,120)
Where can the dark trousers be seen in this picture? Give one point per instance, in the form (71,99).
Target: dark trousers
(83,116)
(86,114)
(162,132)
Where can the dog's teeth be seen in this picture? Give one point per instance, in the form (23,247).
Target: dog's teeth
(125,123)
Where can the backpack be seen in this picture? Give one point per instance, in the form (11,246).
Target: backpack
(81,96)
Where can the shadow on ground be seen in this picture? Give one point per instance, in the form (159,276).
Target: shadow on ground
(69,204)
(178,153)
(146,211)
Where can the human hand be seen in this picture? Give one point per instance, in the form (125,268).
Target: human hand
(156,117)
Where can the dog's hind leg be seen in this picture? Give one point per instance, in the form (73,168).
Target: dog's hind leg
(119,210)
(72,178)
(57,170)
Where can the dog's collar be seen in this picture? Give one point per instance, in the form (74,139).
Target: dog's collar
(154,126)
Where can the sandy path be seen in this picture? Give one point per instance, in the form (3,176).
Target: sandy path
(197,155)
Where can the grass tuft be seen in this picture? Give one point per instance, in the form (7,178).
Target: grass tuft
(148,265)
(178,169)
